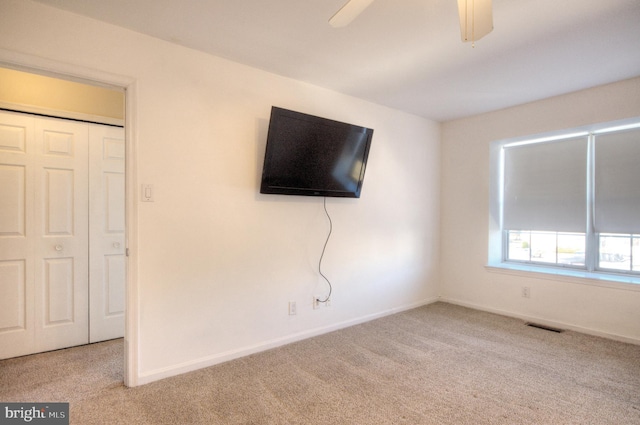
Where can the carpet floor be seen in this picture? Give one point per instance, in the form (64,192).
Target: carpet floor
(438,364)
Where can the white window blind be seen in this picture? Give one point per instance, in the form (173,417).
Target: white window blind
(617,182)
(545,186)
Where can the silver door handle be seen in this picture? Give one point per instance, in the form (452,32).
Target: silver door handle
(59,247)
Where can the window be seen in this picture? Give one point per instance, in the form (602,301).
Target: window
(568,201)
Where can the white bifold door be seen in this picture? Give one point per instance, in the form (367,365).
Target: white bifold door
(62,262)
(106,233)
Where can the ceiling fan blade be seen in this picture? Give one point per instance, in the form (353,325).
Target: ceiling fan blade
(348,12)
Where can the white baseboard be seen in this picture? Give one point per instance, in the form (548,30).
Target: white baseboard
(189,366)
(542,321)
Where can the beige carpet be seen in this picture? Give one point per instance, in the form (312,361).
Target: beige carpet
(439,364)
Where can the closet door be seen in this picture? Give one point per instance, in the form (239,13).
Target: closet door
(62,245)
(107,248)
(61,231)
(17,333)
(44,234)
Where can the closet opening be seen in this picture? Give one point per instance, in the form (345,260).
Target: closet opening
(63,215)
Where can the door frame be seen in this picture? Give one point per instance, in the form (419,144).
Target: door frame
(51,68)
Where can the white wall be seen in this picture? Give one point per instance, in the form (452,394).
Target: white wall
(68,99)
(216,263)
(597,308)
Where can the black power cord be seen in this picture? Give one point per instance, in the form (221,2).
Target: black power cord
(322,255)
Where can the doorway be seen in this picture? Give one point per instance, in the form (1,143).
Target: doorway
(62,219)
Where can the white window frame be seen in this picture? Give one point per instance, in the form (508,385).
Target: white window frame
(497,250)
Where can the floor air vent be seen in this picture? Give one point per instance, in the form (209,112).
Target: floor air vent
(544,327)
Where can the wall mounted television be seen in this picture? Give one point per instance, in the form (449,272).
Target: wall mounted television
(313,156)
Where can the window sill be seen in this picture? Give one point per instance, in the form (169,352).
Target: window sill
(609,280)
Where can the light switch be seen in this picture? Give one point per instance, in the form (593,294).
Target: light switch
(147,193)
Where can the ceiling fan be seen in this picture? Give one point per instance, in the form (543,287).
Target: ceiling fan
(476,17)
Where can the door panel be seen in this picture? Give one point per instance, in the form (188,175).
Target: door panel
(59,202)
(62,237)
(114,279)
(13,134)
(17,333)
(12,206)
(13,286)
(58,291)
(107,256)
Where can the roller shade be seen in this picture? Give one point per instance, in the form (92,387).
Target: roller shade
(617,182)
(545,186)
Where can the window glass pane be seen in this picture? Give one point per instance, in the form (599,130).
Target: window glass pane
(543,247)
(519,243)
(615,252)
(571,249)
(635,253)
(547,247)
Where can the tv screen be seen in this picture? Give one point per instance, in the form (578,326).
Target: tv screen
(313,156)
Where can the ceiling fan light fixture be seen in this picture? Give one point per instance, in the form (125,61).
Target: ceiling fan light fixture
(476,19)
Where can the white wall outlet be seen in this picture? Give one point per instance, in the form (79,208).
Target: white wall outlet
(526,292)
(293,310)
(316,302)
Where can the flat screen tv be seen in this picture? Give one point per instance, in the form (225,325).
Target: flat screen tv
(312,156)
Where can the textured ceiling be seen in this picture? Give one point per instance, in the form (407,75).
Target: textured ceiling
(405,54)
